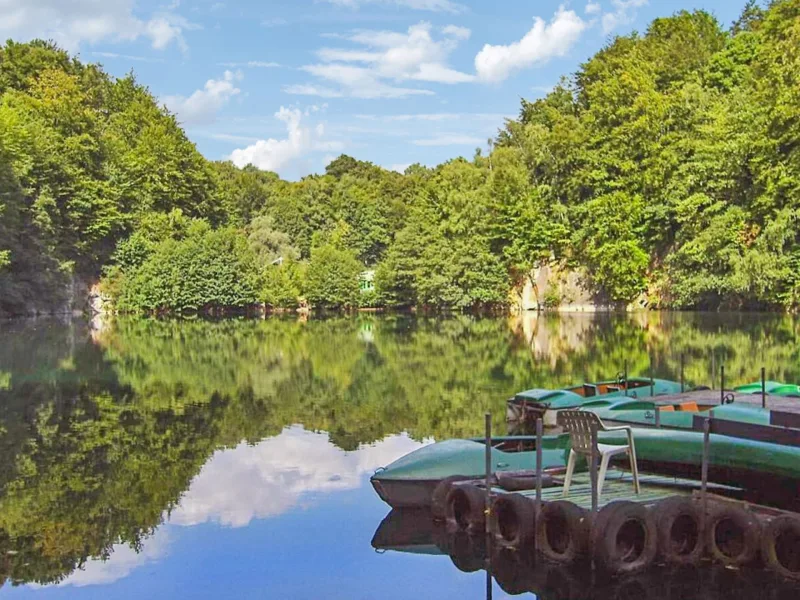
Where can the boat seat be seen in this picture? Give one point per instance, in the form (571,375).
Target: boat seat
(581,425)
(689,407)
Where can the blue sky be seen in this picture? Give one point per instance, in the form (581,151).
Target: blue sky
(290,84)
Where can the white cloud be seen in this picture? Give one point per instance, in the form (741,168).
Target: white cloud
(312,90)
(387,57)
(431,5)
(121,563)
(115,56)
(624,14)
(593,8)
(251,64)
(203,105)
(283,155)
(255,482)
(400,168)
(450,140)
(74,22)
(464,117)
(543,42)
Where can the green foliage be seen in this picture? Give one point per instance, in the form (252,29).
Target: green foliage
(668,164)
(204,271)
(332,277)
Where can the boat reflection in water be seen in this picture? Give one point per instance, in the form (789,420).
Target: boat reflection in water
(519,572)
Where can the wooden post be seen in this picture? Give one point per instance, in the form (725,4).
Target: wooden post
(704,468)
(763,387)
(593,469)
(683,359)
(488,465)
(539,440)
(658,416)
(722,384)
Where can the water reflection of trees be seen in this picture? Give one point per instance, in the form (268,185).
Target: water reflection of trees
(102,433)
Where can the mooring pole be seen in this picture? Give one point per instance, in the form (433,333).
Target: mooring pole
(722,384)
(625,377)
(488,466)
(652,380)
(682,379)
(658,416)
(593,469)
(539,439)
(713,369)
(704,468)
(763,387)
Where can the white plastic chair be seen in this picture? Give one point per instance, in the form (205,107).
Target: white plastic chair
(580,424)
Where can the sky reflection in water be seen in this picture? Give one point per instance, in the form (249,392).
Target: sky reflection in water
(228,460)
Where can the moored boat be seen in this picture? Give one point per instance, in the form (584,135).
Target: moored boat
(773,388)
(541,403)
(410,480)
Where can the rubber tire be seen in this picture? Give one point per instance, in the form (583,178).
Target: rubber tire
(574,523)
(772,552)
(513,520)
(680,511)
(440,493)
(467,552)
(613,520)
(466,508)
(749,544)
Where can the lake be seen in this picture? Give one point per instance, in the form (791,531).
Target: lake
(230,459)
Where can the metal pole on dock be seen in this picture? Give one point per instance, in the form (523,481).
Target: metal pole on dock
(658,416)
(722,384)
(704,468)
(683,362)
(652,380)
(763,387)
(488,465)
(625,377)
(539,439)
(713,369)
(593,469)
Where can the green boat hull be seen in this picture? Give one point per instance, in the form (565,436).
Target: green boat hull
(732,461)
(773,388)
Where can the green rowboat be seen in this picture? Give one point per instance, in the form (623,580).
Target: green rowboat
(532,404)
(773,388)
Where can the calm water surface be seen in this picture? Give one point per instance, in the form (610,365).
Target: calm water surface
(166,459)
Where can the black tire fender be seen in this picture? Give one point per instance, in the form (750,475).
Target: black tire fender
(732,535)
(466,508)
(680,531)
(439,496)
(513,520)
(624,538)
(562,532)
(780,546)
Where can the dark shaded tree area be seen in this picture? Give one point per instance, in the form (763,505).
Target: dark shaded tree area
(668,165)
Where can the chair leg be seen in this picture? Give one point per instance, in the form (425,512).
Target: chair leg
(570,471)
(634,467)
(601,477)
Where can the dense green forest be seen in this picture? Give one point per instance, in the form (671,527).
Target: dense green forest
(668,165)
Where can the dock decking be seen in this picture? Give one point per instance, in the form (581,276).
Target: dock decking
(619,486)
(706,397)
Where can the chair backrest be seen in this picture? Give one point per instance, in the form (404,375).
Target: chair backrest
(580,424)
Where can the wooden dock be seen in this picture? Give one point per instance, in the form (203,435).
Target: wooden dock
(715,397)
(619,486)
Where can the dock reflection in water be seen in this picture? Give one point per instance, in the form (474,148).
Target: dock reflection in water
(519,572)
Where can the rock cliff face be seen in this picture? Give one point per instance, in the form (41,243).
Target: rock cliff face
(557,289)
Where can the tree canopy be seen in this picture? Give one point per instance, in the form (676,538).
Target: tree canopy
(666,167)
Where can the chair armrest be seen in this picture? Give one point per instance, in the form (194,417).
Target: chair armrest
(620,428)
